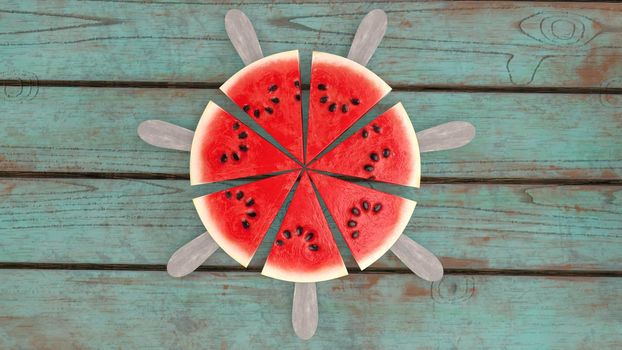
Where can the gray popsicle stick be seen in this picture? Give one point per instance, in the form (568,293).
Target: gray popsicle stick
(189,257)
(242,35)
(418,259)
(445,136)
(304,310)
(368,36)
(165,135)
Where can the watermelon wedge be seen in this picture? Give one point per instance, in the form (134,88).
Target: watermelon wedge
(269,91)
(238,218)
(304,249)
(341,92)
(224,148)
(370,221)
(385,150)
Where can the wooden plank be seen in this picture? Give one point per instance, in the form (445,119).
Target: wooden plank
(518,135)
(149,310)
(467,225)
(428,43)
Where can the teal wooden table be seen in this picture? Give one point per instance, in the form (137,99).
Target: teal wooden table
(526,219)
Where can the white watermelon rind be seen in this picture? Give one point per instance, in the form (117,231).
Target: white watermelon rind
(199,136)
(320,275)
(404,217)
(212,227)
(411,135)
(268,60)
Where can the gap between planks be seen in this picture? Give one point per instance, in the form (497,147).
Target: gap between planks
(396,87)
(207,268)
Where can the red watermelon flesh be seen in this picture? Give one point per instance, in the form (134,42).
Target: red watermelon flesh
(238,218)
(341,92)
(269,91)
(304,249)
(370,221)
(224,148)
(386,150)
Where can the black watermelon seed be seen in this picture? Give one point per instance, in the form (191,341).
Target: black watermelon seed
(323,99)
(239,195)
(355,101)
(251,214)
(246,108)
(242,135)
(332,107)
(296,83)
(279,242)
(245,224)
(344,108)
(250,202)
(223,158)
(236,126)
(355,234)
(313,247)
(364,134)
(273,88)
(351,223)
(374,156)
(275,100)
(269,110)
(243,148)
(365,205)
(309,236)
(297,97)
(299,230)
(377,207)
(228,194)
(355,211)
(287,234)
(368,168)
(256,113)
(321,86)
(386,152)
(376,128)
(235,156)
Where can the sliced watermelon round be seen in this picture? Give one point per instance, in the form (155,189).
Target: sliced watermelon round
(341,92)
(224,148)
(369,221)
(304,249)
(385,150)
(269,91)
(238,218)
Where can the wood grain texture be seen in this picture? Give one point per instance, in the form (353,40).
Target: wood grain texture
(467,225)
(149,310)
(428,43)
(518,135)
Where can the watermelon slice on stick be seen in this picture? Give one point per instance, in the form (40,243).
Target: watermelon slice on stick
(224,148)
(268,90)
(370,221)
(304,249)
(386,150)
(238,218)
(341,92)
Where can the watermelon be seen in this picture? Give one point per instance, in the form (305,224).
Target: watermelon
(238,218)
(370,221)
(304,249)
(224,148)
(269,91)
(341,92)
(385,150)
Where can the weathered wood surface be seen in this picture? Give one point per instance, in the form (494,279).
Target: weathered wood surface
(72,129)
(466,225)
(427,43)
(145,310)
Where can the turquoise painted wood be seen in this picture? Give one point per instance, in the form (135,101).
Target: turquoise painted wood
(149,310)
(467,225)
(428,43)
(73,129)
